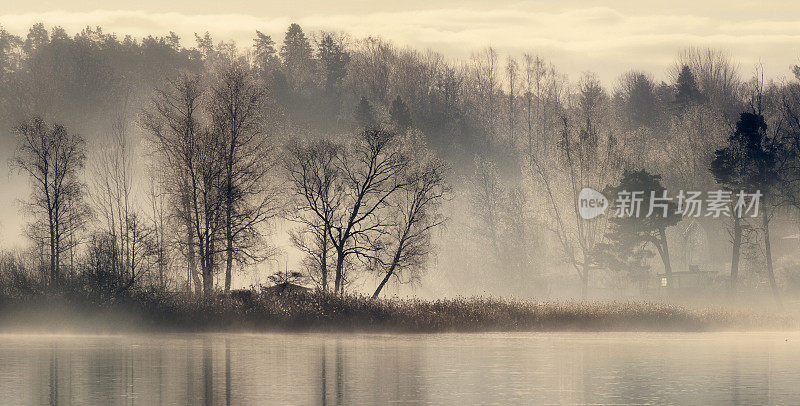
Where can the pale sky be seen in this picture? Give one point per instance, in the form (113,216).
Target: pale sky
(605,37)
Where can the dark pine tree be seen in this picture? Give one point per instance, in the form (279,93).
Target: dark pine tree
(334,60)
(686,91)
(297,58)
(365,114)
(266,57)
(400,115)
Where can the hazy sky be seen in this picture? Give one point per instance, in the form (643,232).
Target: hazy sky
(605,37)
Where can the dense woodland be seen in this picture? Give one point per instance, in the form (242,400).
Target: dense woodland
(177,164)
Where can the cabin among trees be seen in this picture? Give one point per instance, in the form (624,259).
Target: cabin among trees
(685,283)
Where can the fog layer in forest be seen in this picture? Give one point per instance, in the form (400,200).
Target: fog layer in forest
(351,165)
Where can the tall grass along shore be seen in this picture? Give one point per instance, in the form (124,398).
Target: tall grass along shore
(71,307)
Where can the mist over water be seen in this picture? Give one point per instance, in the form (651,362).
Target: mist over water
(320,369)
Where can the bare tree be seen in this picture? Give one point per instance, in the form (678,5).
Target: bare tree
(512,75)
(717,77)
(314,175)
(160,223)
(238,111)
(587,158)
(416,209)
(485,83)
(371,174)
(53,159)
(194,156)
(533,77)
(111,183)
(345,190)
(487,201)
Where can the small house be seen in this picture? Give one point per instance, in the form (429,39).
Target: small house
(692,280)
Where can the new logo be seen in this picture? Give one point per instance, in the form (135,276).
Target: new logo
(591,203)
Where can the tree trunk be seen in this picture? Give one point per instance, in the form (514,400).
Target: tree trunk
(53,256)
(389,274)
(198,287)
(208,272)
(228,219)
(585,282)
(665,251)
(324,261)
(383,282)
(208,275)
(737,243)
(228,264)
(337,285)
(768,254)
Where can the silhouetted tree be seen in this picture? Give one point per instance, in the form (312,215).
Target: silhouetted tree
(365,114)
(729,168)
(352,198)
(334,61)
(266,57)
(400,115)
(637,92)
(297,59)
(314,177)
(237,107)
(415,209)
(194,156)
(639,224)
(686,91)
(53,158)
(749,163)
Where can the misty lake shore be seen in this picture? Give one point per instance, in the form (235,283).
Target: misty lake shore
(254,311)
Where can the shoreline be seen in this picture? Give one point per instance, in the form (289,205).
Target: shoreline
(317,312)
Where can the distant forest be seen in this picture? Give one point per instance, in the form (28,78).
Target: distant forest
(158,164)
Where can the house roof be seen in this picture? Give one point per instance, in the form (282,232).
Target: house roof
(287,286)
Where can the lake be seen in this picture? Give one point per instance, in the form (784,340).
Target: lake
(333,369)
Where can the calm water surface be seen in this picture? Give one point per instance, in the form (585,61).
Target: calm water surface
(309,369)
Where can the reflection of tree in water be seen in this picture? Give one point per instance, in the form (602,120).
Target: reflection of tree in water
(355,372)
(190,393)
(322,379)
(338,372)
(54,375)
(207,365)
(208,372)
(227,371)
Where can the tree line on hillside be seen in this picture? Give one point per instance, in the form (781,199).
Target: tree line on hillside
(357,141)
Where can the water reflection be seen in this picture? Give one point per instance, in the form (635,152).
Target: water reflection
(408,369)
(54,375)
(227,371)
